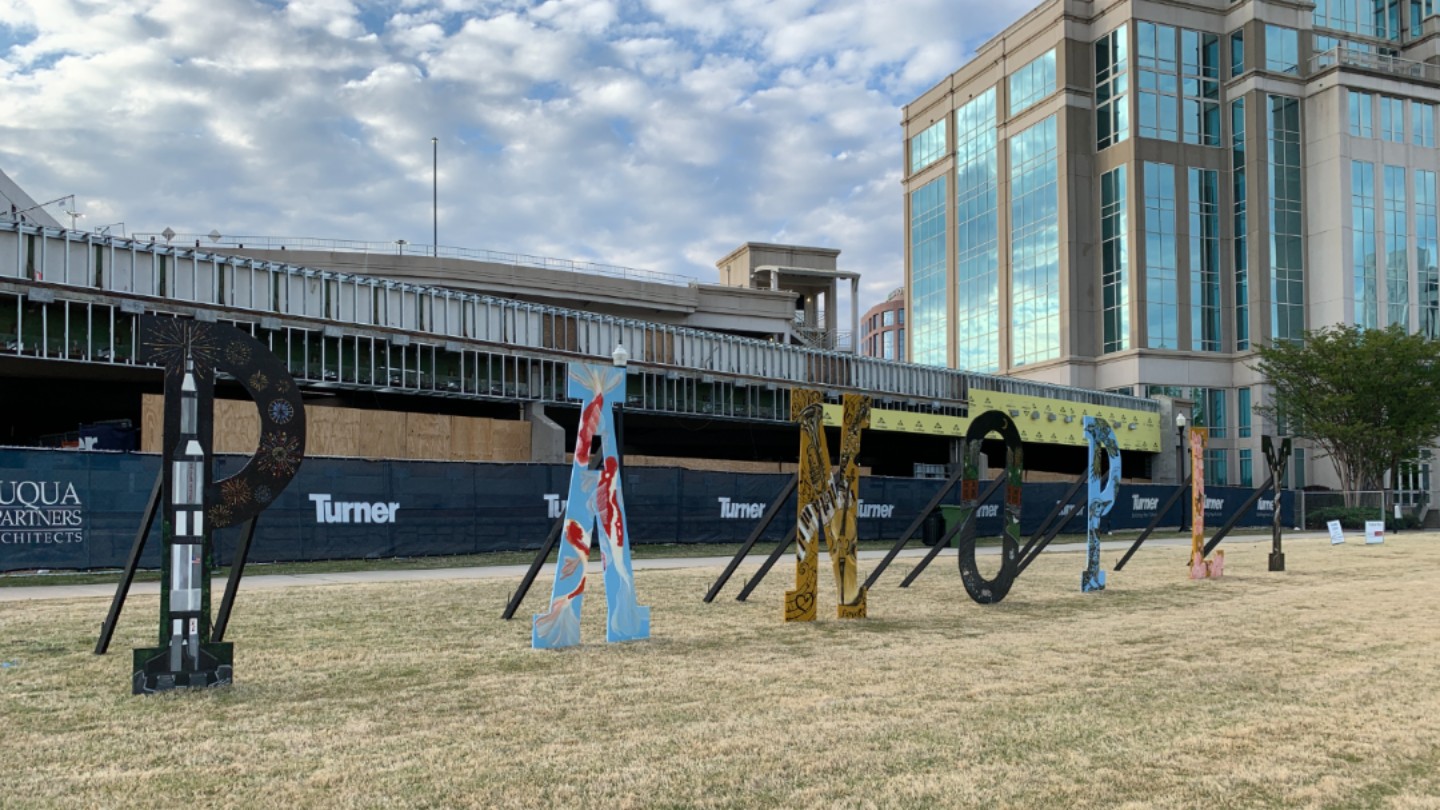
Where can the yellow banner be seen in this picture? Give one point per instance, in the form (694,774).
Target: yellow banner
(1040,419)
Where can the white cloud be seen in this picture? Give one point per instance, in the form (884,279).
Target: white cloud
(654,133)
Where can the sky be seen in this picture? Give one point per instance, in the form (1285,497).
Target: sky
(658,134)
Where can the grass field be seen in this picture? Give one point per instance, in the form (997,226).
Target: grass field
(1314,687)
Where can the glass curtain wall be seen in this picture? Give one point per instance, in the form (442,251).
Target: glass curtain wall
(1287,255)
(977,319)
(1035,244)
(1362,246)
(1204,260)
(927,272)
(1114,257)
(1162,318)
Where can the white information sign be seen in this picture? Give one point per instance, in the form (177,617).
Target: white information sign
(1374,531)
(1337,535)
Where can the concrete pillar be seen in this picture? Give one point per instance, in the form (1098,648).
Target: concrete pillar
(547,439)
(855,315)
(1172,462)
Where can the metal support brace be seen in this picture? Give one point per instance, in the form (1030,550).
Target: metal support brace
(950,535)
(776,505)
(1159,516)
(535,566)
(232,584)
(1239,513)
(107,629)
(768,564)
(916,524)
(1047,532)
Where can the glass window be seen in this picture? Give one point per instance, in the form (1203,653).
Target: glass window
(1422,123)
(1035,244)
(1209,410)
(1427,245)
(1397,257)
(1287,255)
(1158,104)
(1282,49)
(1361,125)
(1204,260)
(887,318)
(1298,462)
(1241,241)
(1200,86)
(928,146)
(1034,81)
(1242,414)
(1161,299)
(1247,475)
(1237,53)
(977,248)
(1362,244)
(1112,81)
(1217,473)
(1372,18)
(887,350)
(1392,119)
(1114,258)
(927,270)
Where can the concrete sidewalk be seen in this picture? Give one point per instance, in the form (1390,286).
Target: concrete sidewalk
(260,582)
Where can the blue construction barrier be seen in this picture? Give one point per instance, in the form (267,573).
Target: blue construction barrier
(66,509)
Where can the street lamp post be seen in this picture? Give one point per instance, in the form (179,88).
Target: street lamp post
(620,358)
(1180,424)
(435,196)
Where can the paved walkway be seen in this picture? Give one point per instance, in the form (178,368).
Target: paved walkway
(258,582)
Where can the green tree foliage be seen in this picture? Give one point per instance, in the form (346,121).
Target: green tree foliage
(1370,398)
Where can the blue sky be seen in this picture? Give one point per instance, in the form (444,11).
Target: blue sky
(657,134)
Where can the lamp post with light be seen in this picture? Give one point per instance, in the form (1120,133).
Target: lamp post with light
(1180,424)
(620,358)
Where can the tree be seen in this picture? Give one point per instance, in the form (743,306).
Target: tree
(1370,398)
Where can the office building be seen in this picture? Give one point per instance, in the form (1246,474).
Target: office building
(882,328)
(1132,196)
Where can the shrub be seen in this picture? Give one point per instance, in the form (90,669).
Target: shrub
(1354,517)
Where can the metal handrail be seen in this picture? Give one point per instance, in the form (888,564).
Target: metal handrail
(1344,56)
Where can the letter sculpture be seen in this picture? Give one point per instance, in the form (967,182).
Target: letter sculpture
(980,589)
(826,505)
(1101,496)
(194,506)
(596,500)
(1277,463)
(1200,568)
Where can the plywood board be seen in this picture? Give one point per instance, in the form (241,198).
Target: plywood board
(332,431)
(510,440)
(152,422)
(427,436)
(381,434)
(470,438)
(237,426)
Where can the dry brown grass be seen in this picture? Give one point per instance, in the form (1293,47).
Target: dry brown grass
(1316,687)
